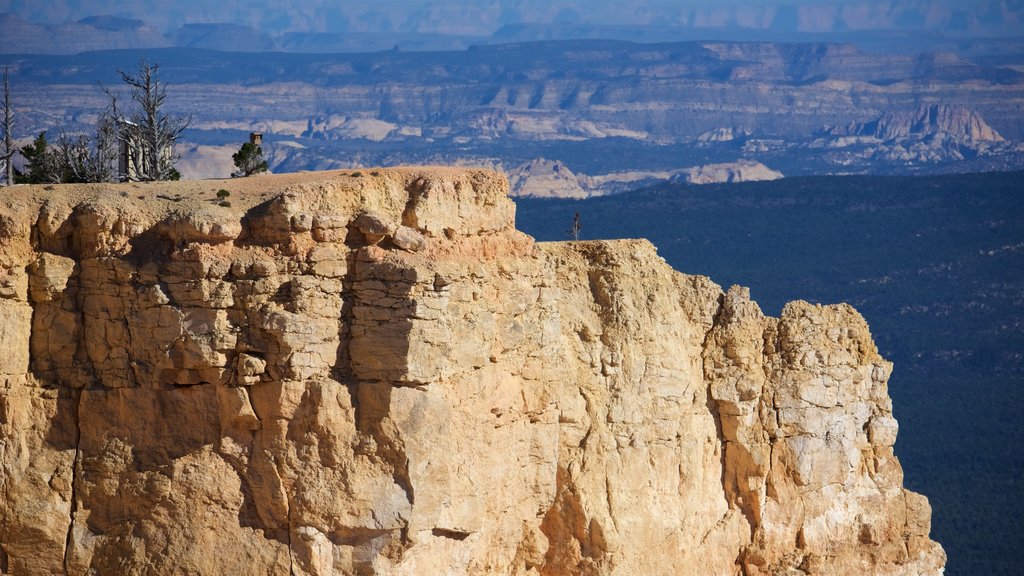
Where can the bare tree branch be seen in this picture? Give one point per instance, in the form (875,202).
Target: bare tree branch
(8,130)
(84,159)
(154,132)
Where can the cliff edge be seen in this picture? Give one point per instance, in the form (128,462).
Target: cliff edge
(375,373)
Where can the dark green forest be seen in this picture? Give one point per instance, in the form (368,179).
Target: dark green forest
(935,264)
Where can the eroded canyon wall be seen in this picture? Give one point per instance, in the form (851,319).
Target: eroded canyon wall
(375,373)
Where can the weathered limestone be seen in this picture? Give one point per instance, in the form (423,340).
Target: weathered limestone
(378,374)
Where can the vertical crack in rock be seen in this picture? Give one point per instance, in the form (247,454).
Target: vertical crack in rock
(717,321)
(74,481)
(736,401)
(291,553)
(55,299)
(5,499)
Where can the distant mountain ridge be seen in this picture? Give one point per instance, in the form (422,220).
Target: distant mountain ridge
(603,108)
(96,33)
(362,25)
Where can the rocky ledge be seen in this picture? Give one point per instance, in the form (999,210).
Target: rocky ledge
(375,373)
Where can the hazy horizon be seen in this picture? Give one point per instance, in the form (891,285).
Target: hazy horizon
(484,17)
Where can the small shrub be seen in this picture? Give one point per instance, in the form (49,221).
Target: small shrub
(357,174)
(222,194)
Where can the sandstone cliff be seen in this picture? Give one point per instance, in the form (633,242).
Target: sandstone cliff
(375,373)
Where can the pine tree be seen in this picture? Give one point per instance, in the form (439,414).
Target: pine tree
(41,165)
(249,160)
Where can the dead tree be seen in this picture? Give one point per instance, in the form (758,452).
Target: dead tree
(7,158)
(85,159)
(150,133)
(574,230)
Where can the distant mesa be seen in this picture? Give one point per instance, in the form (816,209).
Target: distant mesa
(930,134)
(542,178)
(723,134)
(956,121)
(112,23)
(224,37)
(739,171)
(93,33)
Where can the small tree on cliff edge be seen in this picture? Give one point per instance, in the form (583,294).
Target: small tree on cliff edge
(249,160)
(574,230)
(148,128)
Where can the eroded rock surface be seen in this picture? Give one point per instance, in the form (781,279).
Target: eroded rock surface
(377,374)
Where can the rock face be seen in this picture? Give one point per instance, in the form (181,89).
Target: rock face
(378,374)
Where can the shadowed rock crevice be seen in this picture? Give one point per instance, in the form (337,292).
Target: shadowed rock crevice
(69,540)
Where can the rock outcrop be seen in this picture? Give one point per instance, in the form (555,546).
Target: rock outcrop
(375,373)
(739,171)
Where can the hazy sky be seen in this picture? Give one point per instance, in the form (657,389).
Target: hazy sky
(483,17)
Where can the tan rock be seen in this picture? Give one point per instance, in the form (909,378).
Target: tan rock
(212,225)
(253,389)
(373,226)
(49,275)
(250,368)
(408,239)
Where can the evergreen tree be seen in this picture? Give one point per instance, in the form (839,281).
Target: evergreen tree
(249,160)
(41,165)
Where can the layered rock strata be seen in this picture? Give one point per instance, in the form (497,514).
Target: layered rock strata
(377,374)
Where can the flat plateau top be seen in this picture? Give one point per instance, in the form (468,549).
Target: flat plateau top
(243,193)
